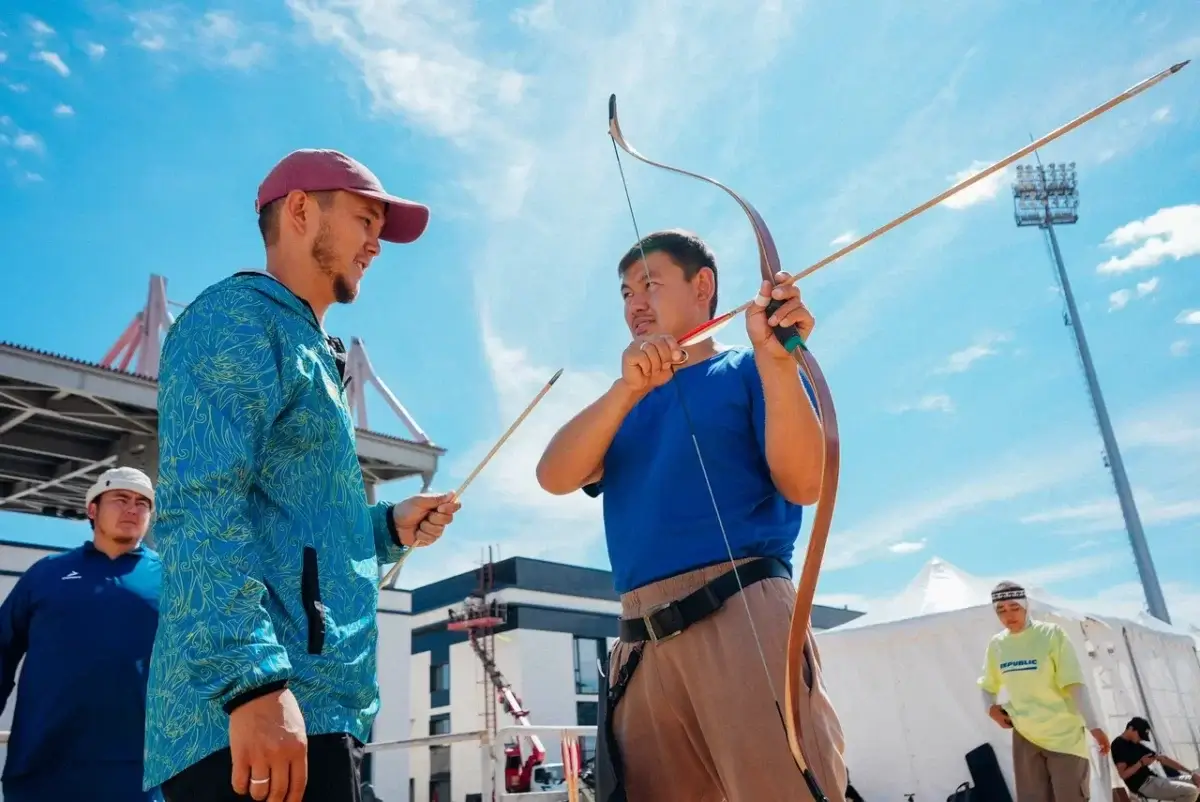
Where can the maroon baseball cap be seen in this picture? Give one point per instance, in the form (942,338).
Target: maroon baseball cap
(316,170)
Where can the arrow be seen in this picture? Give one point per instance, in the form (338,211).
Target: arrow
(395,569)
(701,333)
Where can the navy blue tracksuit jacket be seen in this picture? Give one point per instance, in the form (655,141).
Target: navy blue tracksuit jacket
(85,626)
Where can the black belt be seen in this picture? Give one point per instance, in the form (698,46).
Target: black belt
(668,620)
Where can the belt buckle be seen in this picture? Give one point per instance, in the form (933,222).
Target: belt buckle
(646,619)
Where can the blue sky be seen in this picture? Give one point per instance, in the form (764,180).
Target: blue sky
(134,135)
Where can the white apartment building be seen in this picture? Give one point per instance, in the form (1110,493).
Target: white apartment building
(561,620)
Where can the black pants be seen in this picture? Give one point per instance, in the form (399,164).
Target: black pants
(334,774)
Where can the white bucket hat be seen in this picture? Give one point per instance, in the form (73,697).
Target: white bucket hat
(121,479)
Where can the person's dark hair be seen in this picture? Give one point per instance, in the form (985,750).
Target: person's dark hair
(1139,725)
(268,216)
(685,249)
(96,501)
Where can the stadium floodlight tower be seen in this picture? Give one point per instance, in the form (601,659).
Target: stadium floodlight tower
(1045,196)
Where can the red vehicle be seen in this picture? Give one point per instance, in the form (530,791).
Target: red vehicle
(518,775)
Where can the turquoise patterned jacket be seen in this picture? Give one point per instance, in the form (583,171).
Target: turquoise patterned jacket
(269,549)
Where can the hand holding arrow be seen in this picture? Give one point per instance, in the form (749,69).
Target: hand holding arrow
(390,576)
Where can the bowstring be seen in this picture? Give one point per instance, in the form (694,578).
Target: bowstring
(712,496)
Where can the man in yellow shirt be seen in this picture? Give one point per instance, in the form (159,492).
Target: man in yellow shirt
(1048,706)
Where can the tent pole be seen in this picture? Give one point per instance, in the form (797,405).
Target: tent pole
(1137,677)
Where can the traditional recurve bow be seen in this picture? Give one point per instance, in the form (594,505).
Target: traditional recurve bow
(823,518)
(769,265)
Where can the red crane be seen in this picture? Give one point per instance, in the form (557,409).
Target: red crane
(480,615)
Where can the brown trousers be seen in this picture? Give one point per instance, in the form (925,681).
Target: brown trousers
(698,721)
(1045,776)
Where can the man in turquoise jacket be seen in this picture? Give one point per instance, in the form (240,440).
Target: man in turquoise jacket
(263,681)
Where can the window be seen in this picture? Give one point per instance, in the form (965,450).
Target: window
(439,756)
(588,654)
(439,677)
(439,762)
(586,714)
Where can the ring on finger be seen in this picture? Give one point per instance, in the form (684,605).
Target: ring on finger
(253,781)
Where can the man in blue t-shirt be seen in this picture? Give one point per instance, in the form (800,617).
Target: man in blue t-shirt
(81,626)
(701,455)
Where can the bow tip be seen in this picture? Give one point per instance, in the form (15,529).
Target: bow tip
(554,378)
(1176,68)
(612,108)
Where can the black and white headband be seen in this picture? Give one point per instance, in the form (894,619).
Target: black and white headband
(1010,594)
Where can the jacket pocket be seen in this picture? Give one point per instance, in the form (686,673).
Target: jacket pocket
(310,598)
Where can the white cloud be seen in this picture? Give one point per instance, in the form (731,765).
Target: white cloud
(220,34)
(150,28)
(1180,348)
(1009,478)
(20,89)
(907,547)
(961,361)
(1189,317)
(215,38)
(1170,424)
(3,57)
(27,141)
(1161,114)
(52,60)
(63,110)
(979,192)
(419,61)
(842,239)
(1121,298)
(95,50)
(537,17)
(1052,574)
(1128,600)
(935,402)
(1172,232)
(1104,515)
(40,29)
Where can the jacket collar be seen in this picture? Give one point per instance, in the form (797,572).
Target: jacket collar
(264,282)
(269,285)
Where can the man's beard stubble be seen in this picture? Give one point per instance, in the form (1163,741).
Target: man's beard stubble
(322,252)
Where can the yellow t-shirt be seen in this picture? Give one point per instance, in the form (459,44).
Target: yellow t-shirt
(1035,666)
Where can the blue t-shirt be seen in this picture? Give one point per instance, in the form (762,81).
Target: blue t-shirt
(658,518)
(84,626)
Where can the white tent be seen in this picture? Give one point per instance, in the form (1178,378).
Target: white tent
(903,680)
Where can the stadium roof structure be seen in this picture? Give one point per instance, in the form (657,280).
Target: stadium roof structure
(63,420)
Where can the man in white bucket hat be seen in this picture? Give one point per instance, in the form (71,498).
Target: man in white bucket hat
(83,621)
